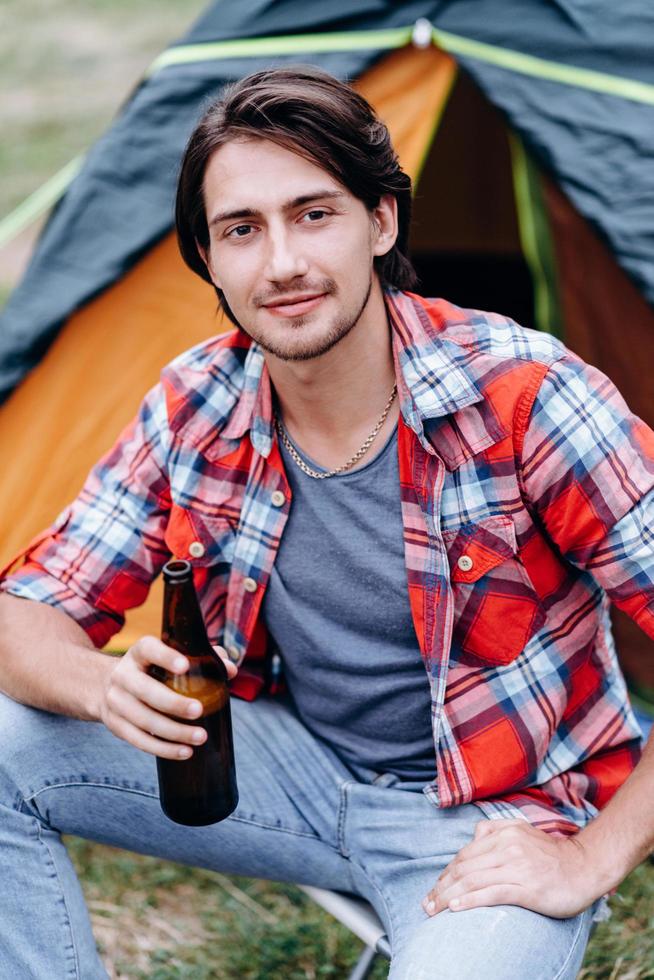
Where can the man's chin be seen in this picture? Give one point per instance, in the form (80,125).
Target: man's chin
(300,340)
(303,338)
(301,350)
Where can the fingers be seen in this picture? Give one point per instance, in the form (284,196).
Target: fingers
(496,844)
(460,869)
(468,877)
(149,650)
(146,712)
(141,739)
(486,827)
(490,834)
(232,669)
(161,697)
(136,706)
(491,894)
(156,724)
(456,893)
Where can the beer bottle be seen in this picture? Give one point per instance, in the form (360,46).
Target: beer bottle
(200,790)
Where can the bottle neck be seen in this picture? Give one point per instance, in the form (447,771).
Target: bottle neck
(182,626)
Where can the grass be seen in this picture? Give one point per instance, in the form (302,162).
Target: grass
(158,920)
(66,66)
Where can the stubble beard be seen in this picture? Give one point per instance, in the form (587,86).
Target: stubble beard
(338,330)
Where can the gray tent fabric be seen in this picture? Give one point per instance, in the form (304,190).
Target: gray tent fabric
(598,146)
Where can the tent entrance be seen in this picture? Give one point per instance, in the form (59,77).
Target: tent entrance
(465,240)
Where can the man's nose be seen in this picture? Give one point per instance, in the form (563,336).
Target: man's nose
(285,259)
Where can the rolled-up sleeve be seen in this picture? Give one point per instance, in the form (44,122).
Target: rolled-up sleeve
(587,468)
(101,554)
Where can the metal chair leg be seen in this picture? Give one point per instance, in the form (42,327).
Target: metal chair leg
(364,964)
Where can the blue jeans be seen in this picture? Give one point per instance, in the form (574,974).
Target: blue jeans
(303,817)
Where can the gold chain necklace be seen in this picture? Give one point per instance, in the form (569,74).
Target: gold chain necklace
(283,434)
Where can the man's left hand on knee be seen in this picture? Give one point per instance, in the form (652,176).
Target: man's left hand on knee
(509,862)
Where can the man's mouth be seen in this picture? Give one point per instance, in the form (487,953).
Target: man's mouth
(294,305)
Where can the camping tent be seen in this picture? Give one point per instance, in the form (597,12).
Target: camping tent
(527,126)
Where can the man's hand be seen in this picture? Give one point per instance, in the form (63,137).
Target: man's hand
(136,707)
(509,862)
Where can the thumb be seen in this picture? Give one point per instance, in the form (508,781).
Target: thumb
(232,669)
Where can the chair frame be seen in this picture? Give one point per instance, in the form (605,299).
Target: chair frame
(359,917)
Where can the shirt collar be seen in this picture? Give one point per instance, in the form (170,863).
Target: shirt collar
(431,376)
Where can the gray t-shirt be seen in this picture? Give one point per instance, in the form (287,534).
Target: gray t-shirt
(337,608)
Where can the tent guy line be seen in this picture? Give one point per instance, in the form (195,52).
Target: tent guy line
(40,201)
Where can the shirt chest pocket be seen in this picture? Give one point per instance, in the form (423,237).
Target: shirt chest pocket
(206,541)
(496,609)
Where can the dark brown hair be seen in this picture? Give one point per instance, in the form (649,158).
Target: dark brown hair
(308,111)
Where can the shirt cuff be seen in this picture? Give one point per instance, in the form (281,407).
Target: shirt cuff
(32,581)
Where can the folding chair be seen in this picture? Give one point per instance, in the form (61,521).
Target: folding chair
(361,919)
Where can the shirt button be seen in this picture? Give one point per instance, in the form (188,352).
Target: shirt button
(196,549)
(465,563)
(249,585)
(278,499)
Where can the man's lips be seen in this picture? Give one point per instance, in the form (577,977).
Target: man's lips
(294,305)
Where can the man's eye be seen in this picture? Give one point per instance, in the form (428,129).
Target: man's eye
(315,215)
(240,231)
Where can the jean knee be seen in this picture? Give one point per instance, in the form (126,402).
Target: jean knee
(25,736)
(498,943)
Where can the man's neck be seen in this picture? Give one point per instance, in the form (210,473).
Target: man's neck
(330,404)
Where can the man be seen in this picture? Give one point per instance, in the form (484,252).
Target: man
(420,509)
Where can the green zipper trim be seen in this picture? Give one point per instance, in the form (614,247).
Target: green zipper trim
(535,238)
(553,71)
(34,206)
(517,61)
(288,44)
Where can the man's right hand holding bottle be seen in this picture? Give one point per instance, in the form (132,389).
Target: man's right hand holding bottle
(143,711)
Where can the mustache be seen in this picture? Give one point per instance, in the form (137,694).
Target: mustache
(316,287)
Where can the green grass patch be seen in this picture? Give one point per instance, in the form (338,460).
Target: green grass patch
(66,66)
(162,921)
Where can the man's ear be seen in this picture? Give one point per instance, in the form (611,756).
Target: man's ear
(384,223)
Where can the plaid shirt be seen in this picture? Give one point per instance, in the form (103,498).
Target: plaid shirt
(526,488)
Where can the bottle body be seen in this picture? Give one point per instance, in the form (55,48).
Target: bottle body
(200,790)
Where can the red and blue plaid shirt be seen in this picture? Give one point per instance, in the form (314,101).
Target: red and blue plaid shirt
(527,501)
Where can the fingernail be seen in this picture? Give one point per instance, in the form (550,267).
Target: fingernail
(430,907)
(180,664)
(198,736)
(194,709)
(185,753)
(454,903)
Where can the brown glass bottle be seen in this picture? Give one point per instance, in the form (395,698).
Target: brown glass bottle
(200,790)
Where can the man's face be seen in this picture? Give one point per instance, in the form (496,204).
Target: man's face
(290,247)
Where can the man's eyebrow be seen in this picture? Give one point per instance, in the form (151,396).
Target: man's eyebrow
(317,195)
